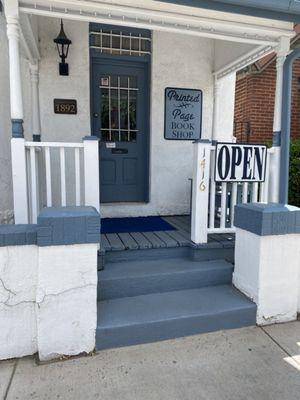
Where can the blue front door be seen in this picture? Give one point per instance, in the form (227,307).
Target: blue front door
(120,115)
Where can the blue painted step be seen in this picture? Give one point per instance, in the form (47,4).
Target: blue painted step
(206,252)
(160,316)
(134,278)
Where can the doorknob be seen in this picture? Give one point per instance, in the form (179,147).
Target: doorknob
(95,115)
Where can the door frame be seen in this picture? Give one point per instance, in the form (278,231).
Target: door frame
(96,57)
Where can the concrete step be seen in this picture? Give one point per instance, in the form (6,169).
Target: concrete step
(159,316)
(134,278)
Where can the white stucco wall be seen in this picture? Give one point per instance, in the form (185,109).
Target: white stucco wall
(58,127)
(224,123)
(177,60)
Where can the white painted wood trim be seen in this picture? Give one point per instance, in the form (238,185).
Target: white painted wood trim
(245,193)
(63,176)
(34,187)
(212,195)
(233,202)
(144,17)
(35,102)
(254,194)
(77,176)
(53,144)
(224,198)
(221,230)
(19,178)
(91,173)
(200,192)
(48,177)
(16,99)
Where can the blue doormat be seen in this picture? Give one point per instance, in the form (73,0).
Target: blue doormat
(138,224)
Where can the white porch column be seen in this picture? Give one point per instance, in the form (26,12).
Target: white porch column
(216,110)
(35,112)
(16,106)
(282,52)
(13,35)
(201,170)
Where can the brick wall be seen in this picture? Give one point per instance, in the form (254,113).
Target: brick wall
(254,102)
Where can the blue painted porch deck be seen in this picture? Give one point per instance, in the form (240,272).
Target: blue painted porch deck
(181,237)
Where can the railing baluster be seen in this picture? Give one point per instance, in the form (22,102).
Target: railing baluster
(233,201)
(254,193)
(264,188)
(34,200)
(77,176)
(63,176)
(223,204)
(245,193)
(48,177)
(212,195)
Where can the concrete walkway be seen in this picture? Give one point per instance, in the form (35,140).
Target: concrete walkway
(249,363)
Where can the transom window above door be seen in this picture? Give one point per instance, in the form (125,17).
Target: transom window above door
(118,108)
(118,42)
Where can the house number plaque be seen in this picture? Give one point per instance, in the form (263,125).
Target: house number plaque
(65,106)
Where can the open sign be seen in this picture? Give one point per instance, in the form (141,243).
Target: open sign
(240,162)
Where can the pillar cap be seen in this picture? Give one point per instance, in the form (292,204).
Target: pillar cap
(68,225)
(267,218)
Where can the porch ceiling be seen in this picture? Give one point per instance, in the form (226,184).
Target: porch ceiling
(157,15)
(236,45)
(284,10)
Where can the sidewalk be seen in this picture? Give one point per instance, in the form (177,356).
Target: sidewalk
(249,363)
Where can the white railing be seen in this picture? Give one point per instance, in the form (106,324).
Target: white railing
(213,203)
(56,174)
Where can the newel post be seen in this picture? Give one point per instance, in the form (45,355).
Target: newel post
(18,157)
(91,171)
(200,192)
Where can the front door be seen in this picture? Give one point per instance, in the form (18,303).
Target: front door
(120,115)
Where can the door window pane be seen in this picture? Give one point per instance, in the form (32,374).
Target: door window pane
(118,108)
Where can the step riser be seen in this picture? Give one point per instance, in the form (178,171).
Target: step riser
(171,329)
(201,254)
(135,286)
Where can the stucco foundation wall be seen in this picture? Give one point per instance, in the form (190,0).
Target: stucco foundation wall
(18,283)
(267,269)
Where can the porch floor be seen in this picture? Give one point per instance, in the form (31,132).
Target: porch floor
(181,237)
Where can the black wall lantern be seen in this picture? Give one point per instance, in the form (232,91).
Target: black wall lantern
(63,43)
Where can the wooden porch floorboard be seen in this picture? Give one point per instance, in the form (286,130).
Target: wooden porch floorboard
(160,239)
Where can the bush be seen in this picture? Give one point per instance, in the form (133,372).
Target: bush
(294,181)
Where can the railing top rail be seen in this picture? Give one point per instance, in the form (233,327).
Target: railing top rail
(53,144)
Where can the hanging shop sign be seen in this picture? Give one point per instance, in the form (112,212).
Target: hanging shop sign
(240,162)
(183,114)
(65,106)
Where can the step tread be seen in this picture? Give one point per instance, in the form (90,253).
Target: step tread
(151,308)
(139,268)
